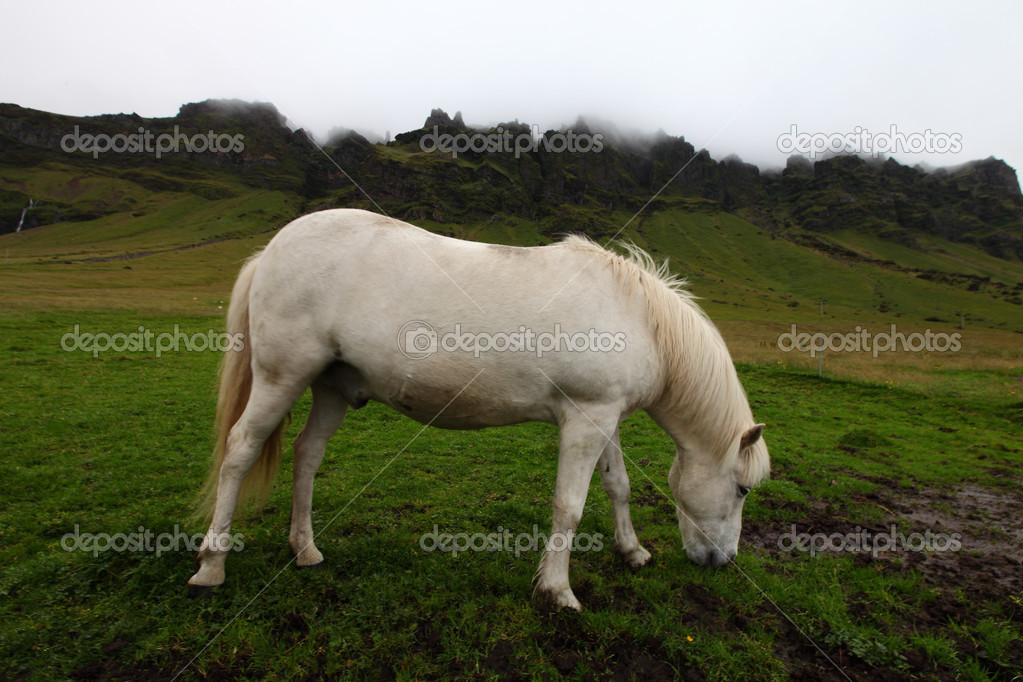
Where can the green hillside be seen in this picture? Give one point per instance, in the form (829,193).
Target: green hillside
(168,233)
(175,239)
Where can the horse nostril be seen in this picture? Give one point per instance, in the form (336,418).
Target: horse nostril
(720,559)
(700,557)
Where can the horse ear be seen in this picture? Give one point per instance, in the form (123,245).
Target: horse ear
(751,436)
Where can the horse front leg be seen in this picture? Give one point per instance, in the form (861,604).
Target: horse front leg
(582,441)
(616,484)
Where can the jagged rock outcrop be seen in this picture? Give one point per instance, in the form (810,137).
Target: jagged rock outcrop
(546,178)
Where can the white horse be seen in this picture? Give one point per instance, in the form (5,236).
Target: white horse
(464,335)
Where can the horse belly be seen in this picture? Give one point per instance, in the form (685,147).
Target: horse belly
(465,400)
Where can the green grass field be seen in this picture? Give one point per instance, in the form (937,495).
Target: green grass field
(120,443)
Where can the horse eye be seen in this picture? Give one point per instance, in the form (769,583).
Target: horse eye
(743,490)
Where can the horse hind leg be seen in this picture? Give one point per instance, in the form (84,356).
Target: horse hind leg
(267,406)
(616,484)
(325,417)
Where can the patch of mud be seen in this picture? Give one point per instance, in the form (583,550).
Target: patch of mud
(980,530)
(972,534)
(989,563)
(989,522)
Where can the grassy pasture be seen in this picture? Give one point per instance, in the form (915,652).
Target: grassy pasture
(120,442)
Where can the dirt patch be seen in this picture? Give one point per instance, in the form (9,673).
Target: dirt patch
(967,543)
(971,537)
(989,522)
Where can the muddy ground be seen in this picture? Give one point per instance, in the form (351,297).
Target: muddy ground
(986,567)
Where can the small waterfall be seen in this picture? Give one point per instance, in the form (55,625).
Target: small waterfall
(31,204)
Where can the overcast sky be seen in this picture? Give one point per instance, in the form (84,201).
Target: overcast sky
(730,77)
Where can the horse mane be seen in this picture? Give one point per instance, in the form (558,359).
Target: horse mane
(700,385)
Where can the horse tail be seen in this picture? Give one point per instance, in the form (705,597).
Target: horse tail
(233,396)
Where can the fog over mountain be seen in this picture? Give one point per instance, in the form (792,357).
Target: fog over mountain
(730,77)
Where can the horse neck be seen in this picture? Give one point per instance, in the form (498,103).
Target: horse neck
(703,405)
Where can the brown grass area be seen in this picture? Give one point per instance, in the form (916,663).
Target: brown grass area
(982,349)
(192,281)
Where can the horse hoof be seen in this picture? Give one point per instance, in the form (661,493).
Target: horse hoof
(200,592)
(639,558)
(319,566)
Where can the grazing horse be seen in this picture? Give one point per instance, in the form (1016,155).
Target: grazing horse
(464,335)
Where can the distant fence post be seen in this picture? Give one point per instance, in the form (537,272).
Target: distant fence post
(820,358)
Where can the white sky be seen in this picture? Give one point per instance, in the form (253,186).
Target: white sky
(729,76)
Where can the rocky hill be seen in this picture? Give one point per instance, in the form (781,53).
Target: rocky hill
(510,169)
